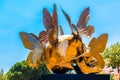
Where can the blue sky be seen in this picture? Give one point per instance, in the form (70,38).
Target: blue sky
(26,15)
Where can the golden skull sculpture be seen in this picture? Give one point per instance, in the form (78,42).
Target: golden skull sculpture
(62,53)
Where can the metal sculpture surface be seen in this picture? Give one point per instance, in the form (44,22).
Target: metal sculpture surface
(62,53)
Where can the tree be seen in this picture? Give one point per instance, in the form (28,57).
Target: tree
(112,55)
(2,77)
(21,71)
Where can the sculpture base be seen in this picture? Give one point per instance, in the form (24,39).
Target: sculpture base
(76,77)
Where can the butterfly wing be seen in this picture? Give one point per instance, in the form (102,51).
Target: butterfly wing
(69,21)
(55,23)
(84,30)
(43,37)
(35,57)
(82,22)
(92,42)
(61,30)
(47,20)
(97,45)
(51,25)
(29,41)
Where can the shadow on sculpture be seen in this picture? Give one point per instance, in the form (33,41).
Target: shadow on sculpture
(63,53)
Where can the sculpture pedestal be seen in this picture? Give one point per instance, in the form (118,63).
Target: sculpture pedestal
(76,77)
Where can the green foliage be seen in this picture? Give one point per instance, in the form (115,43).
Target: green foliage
(21,71)
(112,55)
(2,76)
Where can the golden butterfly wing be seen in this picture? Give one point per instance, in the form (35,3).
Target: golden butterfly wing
(98,45)
(101,42)
(100,61)
(92,42)
(29,41)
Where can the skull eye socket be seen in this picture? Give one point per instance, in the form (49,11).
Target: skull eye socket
(80,59)
(73,63)
(91,62)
